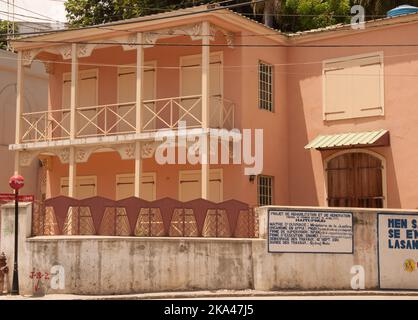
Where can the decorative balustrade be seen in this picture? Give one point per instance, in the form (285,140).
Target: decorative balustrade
(136,217)
(105,120)
(112,119)
(45,125)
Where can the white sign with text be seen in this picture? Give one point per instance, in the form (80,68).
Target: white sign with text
(398,250)
(310,231)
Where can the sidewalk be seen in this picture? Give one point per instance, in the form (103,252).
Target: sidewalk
(232,294)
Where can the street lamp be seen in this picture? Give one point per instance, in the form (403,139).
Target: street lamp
(16,182)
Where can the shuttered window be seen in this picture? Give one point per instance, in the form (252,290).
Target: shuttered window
(355,180)
(353,87)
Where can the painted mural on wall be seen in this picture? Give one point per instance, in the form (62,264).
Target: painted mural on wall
(398,250)
(310,231)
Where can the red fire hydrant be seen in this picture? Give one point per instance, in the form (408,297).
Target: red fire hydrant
(4,270)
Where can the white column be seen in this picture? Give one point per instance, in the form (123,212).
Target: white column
(138,122)
(74,93)
(19,105)
(205,106)
(138,169)
(72,168)
(73,105)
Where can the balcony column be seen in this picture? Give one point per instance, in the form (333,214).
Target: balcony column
(205,107)
(72,173)
(19,105)
(138,101)
(73,106)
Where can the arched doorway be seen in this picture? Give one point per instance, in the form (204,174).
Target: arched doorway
(355,179)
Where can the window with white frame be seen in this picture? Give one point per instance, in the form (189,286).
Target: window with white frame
(353,87)
(265,190)
(265,86)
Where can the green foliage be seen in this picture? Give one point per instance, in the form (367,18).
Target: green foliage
(301,15)
(91,12)
(286,15)
(4,27)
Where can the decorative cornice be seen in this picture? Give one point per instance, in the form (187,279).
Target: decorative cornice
(65,51)
(29,55)
(26,158)
(84,50)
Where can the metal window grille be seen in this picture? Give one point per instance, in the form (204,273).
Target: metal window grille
(265,86)
(265,190)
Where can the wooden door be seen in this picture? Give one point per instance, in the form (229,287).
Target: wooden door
(355,180)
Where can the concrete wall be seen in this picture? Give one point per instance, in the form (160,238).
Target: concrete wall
(118,265)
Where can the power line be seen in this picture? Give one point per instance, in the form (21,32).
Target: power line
(25,16)
(168,44)
(34,12)
(184,12)
(288,64)
(129,21)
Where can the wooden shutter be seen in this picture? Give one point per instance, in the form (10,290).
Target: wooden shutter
(354,87)
(355,180)
(337,94)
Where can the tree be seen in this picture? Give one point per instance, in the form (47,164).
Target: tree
(286,15)
(90,12)
(6,27)
(270,10)
(302,15)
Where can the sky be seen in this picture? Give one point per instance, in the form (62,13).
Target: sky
(40,9)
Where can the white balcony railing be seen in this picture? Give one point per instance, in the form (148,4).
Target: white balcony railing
(112,119)
(45,125)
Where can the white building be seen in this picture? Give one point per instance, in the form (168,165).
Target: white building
(36,98)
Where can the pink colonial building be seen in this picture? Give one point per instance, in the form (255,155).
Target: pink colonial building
(338,109)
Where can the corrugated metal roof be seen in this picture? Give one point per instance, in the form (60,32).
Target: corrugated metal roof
(346,139)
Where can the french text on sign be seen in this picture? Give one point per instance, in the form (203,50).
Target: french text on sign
(310,231)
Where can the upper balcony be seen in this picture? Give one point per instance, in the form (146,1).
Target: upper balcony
(132,83)
(117,119)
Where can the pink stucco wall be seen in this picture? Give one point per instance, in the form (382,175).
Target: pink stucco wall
(297,119)
(240,86)
(307,185)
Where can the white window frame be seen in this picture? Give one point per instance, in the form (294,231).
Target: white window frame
(347,59)
(271,66)
(271,189)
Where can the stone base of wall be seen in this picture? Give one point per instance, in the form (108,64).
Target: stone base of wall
(122,265)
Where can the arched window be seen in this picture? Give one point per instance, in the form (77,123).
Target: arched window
(355,179)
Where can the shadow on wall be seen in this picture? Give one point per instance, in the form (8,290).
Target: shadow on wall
(302,187)
(7,136)
(394,200)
